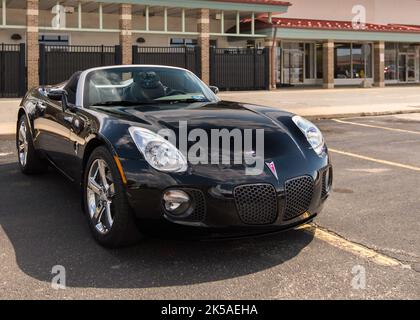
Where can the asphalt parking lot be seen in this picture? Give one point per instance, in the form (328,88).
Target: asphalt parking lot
(368,230)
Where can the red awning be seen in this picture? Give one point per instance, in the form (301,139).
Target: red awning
(332,25)
(262,2)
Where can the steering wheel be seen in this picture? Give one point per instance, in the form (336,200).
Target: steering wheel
(173,92)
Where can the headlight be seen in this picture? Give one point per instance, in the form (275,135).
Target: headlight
(158,152)
(312,133)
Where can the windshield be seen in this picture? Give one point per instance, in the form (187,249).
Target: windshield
(144,85)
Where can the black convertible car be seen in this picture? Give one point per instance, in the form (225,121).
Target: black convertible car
(154,149)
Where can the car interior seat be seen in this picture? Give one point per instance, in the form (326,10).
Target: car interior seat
(147,86)
(101,89)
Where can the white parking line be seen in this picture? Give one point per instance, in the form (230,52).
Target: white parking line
(389,163)
(376,127)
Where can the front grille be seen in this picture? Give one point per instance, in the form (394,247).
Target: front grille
(256,203)
(299,192)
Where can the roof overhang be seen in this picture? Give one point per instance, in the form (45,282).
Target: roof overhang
(313,34)
(233,5)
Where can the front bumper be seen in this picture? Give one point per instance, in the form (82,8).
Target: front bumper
(220,209)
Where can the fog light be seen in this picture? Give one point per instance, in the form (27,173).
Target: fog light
(176,202)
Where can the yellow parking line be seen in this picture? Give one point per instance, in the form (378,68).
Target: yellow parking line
(389,163)
(351,247)
(376,127)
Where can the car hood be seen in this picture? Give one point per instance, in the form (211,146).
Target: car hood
(283,142)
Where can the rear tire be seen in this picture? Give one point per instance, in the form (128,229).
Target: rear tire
(29,161)
(110,217)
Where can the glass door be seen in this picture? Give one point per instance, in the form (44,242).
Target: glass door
(407,67)
(411,67)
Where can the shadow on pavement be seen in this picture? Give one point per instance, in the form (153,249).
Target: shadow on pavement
(42,217)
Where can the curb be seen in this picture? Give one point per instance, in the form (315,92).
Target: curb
(359,114)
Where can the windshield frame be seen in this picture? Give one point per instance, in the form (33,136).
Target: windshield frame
(82,85)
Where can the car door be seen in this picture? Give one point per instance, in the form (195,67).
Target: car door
(55,125)
(72,156)
(52,127)
(77,122)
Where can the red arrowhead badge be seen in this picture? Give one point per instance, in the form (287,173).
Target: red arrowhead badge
(272,168)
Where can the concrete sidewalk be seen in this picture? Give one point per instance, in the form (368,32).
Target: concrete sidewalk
(311,103)
(321,103)
(8,115)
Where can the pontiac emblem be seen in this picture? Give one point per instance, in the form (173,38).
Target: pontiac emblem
(272,168)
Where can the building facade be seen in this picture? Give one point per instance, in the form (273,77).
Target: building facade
(346,42)
(326,43)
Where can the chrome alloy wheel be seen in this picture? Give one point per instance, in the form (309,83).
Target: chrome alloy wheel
(22,144)
(100,191)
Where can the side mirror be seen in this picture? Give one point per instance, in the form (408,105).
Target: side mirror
(60,95)
(214,89)
(56,94)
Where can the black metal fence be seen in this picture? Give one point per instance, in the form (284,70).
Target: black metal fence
(239,69)
(230,69)
(12,70)
(59,62)
(183,57)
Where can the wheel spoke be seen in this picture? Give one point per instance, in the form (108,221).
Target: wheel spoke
(102,173)
(94,186)
(98,213)
(111,191)
(109,219)
(95,175)
(22,132)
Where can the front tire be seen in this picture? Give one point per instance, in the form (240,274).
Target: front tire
(110,217)
(29,160)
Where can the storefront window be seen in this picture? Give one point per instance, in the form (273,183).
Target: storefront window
(300,62)
(309,58)
(390,61)
(342,61)
(293,58)
(180,42)
(357,61)
(367,54)
(403,47)
(319,61)
(353,61)
(53,39)
(361,53)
